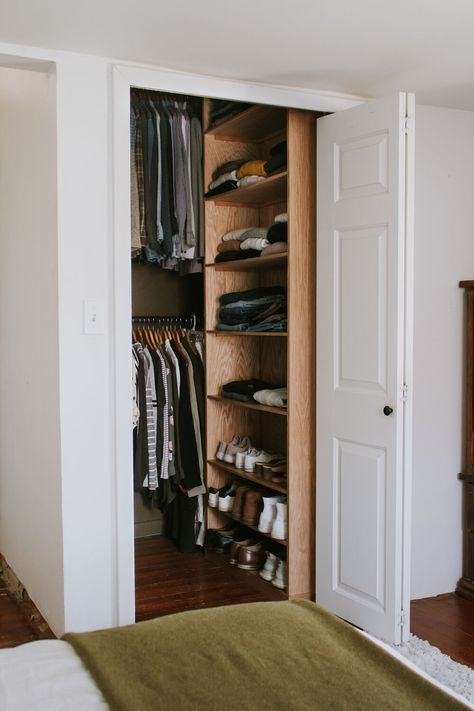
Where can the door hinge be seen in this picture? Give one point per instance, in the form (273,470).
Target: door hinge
(403,618)
(407,125)
(404,392)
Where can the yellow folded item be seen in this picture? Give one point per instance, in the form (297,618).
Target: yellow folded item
(252,167)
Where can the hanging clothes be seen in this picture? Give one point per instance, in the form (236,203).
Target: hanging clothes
(168,399)
(166,178)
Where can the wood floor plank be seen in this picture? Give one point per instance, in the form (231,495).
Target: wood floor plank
(168,581)
(446,622)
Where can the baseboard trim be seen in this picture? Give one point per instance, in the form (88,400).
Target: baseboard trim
(465,588)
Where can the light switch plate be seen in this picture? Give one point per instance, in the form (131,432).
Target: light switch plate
(94,316)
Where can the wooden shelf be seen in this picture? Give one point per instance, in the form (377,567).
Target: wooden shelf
(260,334)
(268,261)
(255,124)
(250,405)
(272,189)
(241,474)
(246,525)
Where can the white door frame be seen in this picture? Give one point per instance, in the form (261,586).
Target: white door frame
(124,78)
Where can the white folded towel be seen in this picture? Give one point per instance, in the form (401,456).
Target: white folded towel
(274,398)
(282,217)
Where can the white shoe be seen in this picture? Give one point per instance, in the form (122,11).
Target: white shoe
(279,528)
(226,503)
(279,581)
(240,457)
(268,570)
(221,450)
(268,514)
(213,497)
(255,456)
(234,448)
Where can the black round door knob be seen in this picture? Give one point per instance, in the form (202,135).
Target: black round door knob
(387,410)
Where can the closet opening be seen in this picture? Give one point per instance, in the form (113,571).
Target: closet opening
(223,339)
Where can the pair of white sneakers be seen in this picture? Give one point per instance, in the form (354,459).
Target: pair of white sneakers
(273,519)
(227,451)
(274,571)
(247,460)
(241,454)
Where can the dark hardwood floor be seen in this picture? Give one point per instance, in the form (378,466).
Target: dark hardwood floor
(168,581)
(446,622)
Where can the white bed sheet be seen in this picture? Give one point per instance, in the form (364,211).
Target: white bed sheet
(49,676)
(46,676)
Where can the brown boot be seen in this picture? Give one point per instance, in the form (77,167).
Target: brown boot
(251,557)
(239,501)
(252,508)
(235,548)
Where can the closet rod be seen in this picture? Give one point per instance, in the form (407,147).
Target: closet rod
(190,321)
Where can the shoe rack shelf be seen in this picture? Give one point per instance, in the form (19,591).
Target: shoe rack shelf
(228,514)
(269,261)
(286,358)
(242,474)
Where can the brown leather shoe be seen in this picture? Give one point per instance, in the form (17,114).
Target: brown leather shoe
(236,546)
(253,507)
(251,557)
(240,494)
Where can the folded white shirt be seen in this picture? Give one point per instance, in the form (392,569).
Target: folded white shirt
(282,217)
(254,243)
(274,398)
(222,179)
(249,180)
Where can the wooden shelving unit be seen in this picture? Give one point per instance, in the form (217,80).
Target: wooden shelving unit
(267,191)
(241,474)
(270,261)
(286,358)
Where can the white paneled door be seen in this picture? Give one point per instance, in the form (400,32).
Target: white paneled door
(365,163)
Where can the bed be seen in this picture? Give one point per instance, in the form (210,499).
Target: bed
(275,656)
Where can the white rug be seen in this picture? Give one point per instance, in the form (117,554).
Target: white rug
(456,676)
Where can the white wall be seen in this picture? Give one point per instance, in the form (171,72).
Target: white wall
(30,480)
(444,254)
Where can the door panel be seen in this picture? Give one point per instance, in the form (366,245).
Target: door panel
(361,356)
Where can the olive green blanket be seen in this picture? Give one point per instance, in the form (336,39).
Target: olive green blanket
(267,656)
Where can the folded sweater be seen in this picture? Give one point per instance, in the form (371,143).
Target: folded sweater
(254,243)
(275,397)
(275,248)
(228,167)
(249,180)
(238,234)
(282,217)
(232,175)
(229,246)
(252,167)
(278,232)
(223,188)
